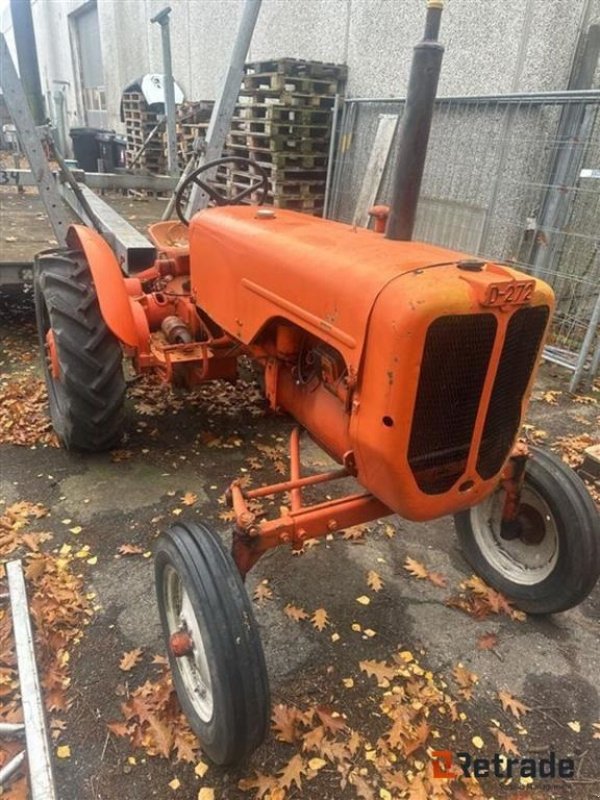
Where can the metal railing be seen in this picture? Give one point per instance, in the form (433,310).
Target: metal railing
(514,178)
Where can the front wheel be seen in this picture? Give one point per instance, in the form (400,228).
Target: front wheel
(213,642)
(555,562)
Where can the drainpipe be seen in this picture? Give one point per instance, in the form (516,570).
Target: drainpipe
(27,60)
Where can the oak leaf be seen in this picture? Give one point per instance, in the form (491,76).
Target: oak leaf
(264,784)
(510,703)
(130,659)
(189,498)
(295,613)
(262,592)
(292,772)
(487,641)
(320,619)
(378,669)
(285,721)
(130,550)
(505,742)
(415,568)
(330,721)
(313,739)
(374,581)
(465,679)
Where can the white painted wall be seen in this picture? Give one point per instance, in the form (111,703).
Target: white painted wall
(492,46)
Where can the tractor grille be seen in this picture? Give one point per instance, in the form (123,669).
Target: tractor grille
(453,370)
(521,345)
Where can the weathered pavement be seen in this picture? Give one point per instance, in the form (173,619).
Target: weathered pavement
(551,664)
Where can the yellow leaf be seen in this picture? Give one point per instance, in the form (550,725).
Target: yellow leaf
(363,600)
(316,763)
(200,769)
(320,619)
(374,580)
(335,637)
(93,560)
(478,742)
(174,784)
(575,726)
(131,760)
(77,529)
(356,627)
(384,794)
(64,751)
(177,511)
(369,632)
(206,793)
(348,682)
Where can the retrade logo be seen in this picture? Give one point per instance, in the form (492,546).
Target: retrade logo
(452,765)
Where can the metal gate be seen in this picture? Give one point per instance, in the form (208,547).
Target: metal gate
(514,178)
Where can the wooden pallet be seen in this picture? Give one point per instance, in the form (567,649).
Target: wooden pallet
(297,115)
(279,144)
(275,81)
(276,129)
(278,160)
(299,67)
(290,188)
(285,98)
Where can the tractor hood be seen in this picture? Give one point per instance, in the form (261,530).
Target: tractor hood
(250,265)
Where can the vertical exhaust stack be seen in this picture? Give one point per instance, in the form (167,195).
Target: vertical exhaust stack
(416,124)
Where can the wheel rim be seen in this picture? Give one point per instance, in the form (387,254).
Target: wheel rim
(527,560)
(192,667)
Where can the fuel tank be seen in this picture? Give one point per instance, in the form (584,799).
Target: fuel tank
(440,349)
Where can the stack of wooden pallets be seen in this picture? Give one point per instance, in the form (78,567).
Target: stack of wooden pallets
(139,121)
(192,123)
(283,122)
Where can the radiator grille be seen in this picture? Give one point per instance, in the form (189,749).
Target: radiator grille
(453,370)
(523,339)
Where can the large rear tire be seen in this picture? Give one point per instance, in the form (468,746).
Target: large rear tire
(219,671)
(82,358)
(555,562)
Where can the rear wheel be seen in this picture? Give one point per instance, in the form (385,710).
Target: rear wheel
(82,358)
(213,642)
(554,563)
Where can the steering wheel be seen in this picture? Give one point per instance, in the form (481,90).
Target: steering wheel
(260,182)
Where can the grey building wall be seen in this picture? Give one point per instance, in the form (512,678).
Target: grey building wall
(492,46)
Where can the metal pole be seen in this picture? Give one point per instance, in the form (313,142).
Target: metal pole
(18,109)
(162,18)
(41,780)
(29,71)
(334,122)
(415,127)
(222,113)
(586,346)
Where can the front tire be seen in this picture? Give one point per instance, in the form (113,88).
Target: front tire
(82,359)
(222,681)
(555,563)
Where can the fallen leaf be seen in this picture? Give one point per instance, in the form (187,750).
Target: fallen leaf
(285,721)
(510,703)
(317,763)
(380,670)
(575,726)
(363,600)
(130,659)
(174,784)
(130,550)
(206,793)
(465,679)
(320,619)
(64,751)
(262,592)
(374,581)
(189,498)
(487,641)
(295,613)
(415,568)
(201,769)
(506,743)
(292,772)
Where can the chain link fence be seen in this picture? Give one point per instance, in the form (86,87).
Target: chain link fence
(514,178)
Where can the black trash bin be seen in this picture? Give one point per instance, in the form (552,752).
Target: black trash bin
(86,147)
(106,149)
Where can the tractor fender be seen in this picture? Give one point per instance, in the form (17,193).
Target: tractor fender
(115,303)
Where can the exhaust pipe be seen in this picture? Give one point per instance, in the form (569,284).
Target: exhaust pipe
(415,127)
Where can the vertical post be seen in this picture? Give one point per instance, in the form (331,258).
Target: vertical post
(220,120)
(29,138)
(162,18)
(330,159)
(29,70)
(415,127)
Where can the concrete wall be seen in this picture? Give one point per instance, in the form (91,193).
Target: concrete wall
(492,46)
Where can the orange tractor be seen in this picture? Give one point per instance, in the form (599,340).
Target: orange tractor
(409,364)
